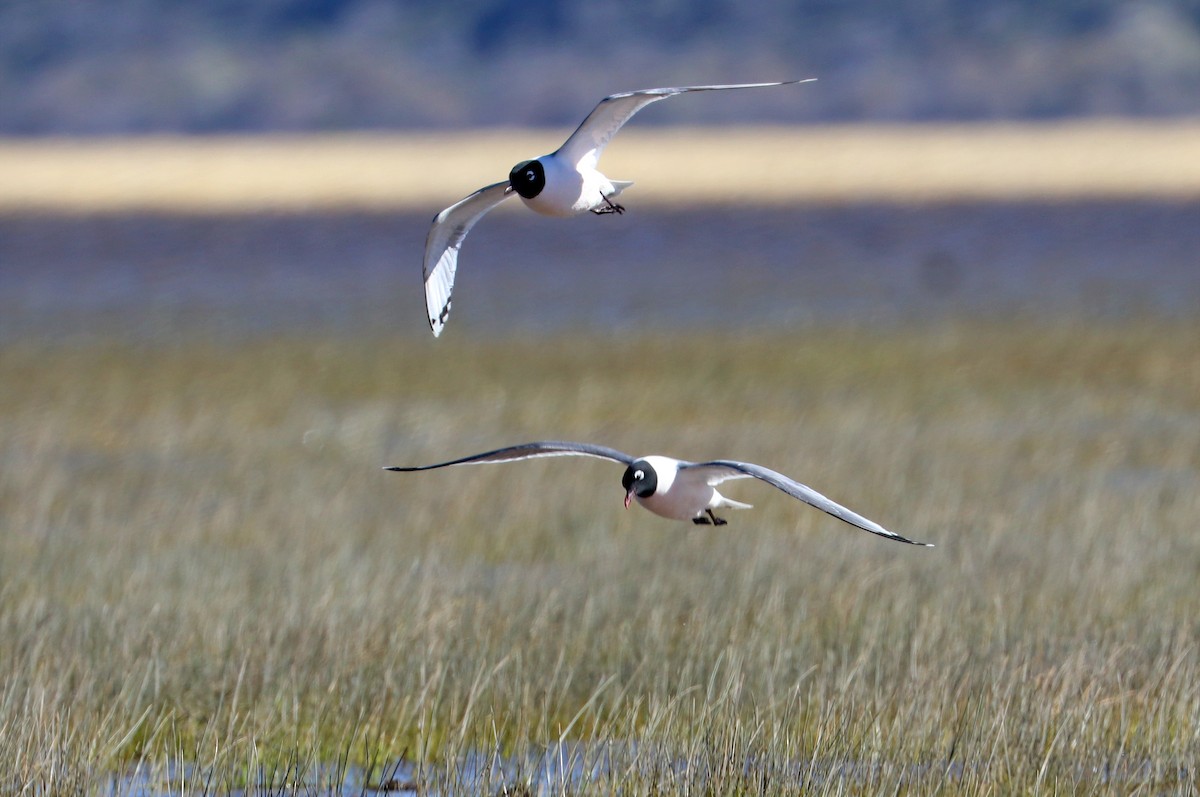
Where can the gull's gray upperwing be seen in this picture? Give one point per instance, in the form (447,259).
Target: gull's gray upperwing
(541,448)
(584,146)
(720,470)
(445,237)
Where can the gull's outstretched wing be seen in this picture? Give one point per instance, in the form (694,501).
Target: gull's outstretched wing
(719,470)
(445,237)
(584,146)
(541,448)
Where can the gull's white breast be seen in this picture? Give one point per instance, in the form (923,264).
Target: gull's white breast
(676,498)
(567,191)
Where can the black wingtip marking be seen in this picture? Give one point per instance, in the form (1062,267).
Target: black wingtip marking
(441,318)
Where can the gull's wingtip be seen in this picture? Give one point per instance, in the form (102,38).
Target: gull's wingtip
(901,538)
(436,325)
(437,322)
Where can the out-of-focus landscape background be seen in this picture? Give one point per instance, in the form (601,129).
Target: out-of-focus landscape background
(954,284)
(137,66)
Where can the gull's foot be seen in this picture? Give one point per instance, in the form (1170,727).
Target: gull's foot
(610,207)
(716,521)
(702,521)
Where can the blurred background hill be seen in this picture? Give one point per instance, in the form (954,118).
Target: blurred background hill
(140,66)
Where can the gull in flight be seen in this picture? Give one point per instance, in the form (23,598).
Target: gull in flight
(563,183)
(674,488)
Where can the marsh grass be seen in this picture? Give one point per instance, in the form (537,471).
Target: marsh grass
(206,582)
(854,163)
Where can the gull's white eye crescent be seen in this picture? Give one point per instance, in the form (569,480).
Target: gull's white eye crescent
(529,175)
(638,475)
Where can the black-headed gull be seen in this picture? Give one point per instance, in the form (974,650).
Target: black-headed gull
(563,183)
(674,488)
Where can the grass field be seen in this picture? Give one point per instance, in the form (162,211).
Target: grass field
(206,581)
(670,166)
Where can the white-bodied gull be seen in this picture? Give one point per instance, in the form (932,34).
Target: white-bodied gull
(563,183)
(674,488)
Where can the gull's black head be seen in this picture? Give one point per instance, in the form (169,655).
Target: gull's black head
(528,178)
(640,480)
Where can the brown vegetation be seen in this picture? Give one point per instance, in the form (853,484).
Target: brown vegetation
(680,166)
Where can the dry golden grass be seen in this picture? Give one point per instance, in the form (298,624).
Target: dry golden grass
(426,172)
(202,566)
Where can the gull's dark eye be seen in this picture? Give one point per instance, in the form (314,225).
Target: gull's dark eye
(530,176)
(638,475)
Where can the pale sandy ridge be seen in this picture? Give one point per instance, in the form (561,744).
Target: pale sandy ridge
(670,166)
